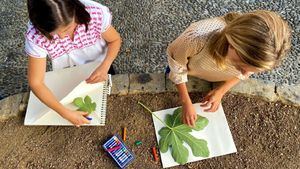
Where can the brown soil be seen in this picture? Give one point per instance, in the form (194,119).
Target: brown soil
(266,135)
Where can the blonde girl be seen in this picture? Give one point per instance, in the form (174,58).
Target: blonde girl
(229,49)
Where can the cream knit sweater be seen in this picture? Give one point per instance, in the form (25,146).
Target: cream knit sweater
(188,54)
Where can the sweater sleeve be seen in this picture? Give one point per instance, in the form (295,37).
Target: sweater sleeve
(188,44)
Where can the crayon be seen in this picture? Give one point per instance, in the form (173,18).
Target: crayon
(124,157)
(89,118)
(124,133)
(137,143)
(114,148)
(119,153)
(154,152)
(111,144)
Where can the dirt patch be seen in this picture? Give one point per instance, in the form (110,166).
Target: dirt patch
(266,135)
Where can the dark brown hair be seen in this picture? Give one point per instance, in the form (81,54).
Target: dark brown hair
(48,15)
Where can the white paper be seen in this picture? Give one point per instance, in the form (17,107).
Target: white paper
(65,84)
(216,133)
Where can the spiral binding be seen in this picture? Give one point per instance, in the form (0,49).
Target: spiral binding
(106,91)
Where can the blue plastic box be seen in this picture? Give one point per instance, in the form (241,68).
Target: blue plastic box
(117,149)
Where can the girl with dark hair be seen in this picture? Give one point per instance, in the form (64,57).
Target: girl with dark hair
(70,33)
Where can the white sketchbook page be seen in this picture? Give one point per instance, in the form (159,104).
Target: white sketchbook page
(83,89)
(216,133)
(61,83)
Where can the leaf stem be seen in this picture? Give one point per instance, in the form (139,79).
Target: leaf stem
(153,114)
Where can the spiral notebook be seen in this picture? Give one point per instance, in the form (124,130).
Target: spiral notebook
(67,84)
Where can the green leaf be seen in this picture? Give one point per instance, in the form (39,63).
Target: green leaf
(198,146)
(177,117)
(201,123)
(165,134)
(94,106)
(84,109)
(78,102)
(85,105)
(169,119)
(179,152)
(178,133)
(87,100)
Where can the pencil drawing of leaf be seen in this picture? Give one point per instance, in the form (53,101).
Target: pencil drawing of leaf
(85,104)
(175,133)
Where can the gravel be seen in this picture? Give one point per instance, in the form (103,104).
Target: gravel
(147,27)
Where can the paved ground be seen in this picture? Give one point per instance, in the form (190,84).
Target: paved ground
(146,27)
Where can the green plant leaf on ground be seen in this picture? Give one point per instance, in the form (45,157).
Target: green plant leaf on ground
(175,133)
(178,133)
(85,104)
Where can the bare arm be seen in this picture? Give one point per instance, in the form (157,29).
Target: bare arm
(227,85)
(213,98)
(183,93)
(113,38)
(189,115)
(36,74)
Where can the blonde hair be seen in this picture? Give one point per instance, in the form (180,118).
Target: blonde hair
(261,39)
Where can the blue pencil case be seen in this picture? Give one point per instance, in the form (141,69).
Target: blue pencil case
(117,149)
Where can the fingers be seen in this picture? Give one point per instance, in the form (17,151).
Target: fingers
(214,107)
(82,119)
(183,119)
(91,78)
(96,79)
(190,120)
(85,120)
(207,103)
(83,113)
(206,99)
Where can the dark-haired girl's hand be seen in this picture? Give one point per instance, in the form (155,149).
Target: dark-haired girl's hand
(78,118)
(99,75)
(212,100)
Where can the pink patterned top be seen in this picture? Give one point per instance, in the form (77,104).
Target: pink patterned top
(86,47)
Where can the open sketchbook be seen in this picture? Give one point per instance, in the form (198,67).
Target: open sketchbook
(216,133)
(67,84)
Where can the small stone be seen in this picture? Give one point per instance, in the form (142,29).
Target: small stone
(9,107)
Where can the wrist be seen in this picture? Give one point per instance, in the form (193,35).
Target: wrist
(186,101)
(221,90)
(64,112)
(106,64)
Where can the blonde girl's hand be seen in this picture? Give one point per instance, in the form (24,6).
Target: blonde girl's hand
(189,115)
(212,100)
(78,118)
(99,75)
